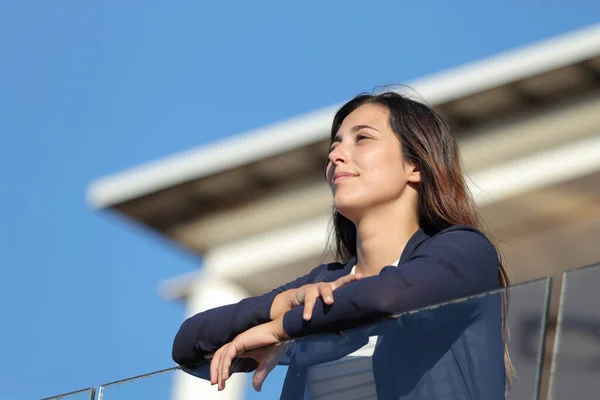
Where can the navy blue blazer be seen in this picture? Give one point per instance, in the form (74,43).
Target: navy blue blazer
(450,352)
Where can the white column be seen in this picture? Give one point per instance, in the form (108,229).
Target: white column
(209,292)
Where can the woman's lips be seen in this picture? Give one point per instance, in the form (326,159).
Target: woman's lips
(342,177)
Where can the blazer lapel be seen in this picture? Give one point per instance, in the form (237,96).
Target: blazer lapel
(415,241)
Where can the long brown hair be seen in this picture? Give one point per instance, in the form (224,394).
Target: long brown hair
(444,199)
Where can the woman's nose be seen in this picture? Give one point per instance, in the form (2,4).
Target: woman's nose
(338,155)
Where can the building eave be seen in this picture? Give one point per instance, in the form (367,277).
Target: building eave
(254,145)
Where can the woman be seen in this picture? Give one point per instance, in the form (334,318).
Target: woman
(406,232)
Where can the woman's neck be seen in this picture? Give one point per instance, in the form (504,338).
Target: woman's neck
(381,238)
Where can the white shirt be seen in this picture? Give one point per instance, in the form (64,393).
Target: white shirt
(349,378)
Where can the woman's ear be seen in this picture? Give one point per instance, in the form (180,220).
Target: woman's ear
(414,173)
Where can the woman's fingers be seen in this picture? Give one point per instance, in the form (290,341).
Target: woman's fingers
(225,366)
(270,358)
(254,342)
(219,371)
(344,280)
(214,366)
(259,377)
(322,290)
(261,374)
(218,363)
(297,297)
(309,303)
(233,349)
(308,294)
(326,293)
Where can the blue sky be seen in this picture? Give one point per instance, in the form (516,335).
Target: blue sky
(90,88)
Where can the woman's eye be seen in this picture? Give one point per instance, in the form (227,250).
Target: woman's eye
(361,137)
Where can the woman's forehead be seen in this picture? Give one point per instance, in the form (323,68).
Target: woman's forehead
(367,115)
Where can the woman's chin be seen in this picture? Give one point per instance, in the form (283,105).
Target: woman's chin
(352,211)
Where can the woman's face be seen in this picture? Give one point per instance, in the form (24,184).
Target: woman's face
(366,167)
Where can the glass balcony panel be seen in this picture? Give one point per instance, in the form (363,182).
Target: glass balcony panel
(576,358)
(526,321)
(449,351)
(453,350)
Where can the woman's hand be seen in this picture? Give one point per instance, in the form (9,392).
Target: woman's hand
(254,338)
(307,295)
(267,358)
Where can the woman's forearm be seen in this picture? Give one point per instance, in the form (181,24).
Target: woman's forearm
(282,304)
(205,332)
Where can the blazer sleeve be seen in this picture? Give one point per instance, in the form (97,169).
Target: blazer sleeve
(455,263)
(205,332)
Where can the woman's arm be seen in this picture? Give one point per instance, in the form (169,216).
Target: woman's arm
(282,303)
(456,263)
(205,332)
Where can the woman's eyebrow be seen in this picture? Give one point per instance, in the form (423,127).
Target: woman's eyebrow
(357,128)
(354,129)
